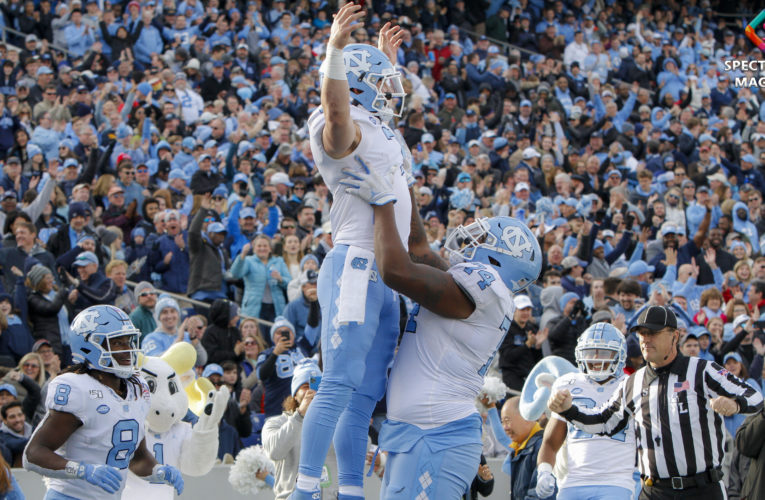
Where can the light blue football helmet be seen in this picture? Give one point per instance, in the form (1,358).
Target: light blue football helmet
(601,346)
(374,82)
(92,331)
(503,243)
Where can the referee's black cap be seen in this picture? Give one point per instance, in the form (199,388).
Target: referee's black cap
(656,318)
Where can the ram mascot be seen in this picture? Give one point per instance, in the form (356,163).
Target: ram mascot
(174,391)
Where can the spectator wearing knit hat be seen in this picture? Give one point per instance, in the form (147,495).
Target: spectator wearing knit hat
(143,315)
(285,355)
(48,316)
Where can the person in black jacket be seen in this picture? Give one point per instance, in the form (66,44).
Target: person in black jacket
(92,286)
(521,348)
(61,242)
(276,365)
(483,482)
(44,302)
(565,333)
(222,339)
(204,180)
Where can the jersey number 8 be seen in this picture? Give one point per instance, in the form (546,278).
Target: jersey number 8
(124,443)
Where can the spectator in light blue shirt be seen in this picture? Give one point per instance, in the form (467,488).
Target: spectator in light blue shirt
(79,37)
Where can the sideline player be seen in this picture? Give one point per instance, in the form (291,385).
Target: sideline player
(360,314)
(94,428)
(599,467)
(433,431)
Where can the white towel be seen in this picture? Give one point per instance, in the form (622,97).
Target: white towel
(353,285)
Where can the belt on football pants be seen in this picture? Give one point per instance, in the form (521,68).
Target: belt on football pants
(684,482)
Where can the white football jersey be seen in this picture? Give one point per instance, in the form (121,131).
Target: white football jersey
(111,430)
(351,217)
(166,448)
(596,460)
(441,362)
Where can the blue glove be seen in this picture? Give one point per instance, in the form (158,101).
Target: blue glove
(169,475)
(106,477)
(368,185)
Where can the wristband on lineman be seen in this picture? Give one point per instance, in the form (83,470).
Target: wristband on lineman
(334,64)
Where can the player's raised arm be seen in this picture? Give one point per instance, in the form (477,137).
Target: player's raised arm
(340,134)
(419,248)
(432,288)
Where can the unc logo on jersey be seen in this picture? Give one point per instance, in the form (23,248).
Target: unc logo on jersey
(103,409)
(359,263)
(515,241)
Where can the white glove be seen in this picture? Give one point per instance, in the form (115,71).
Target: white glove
(545,480)
(368,185)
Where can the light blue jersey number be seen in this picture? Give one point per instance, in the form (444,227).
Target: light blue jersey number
(62,394)
(124,443)
(159,453)
(487,277)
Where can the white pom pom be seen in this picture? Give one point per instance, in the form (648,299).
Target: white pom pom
(493,389)
(248,462)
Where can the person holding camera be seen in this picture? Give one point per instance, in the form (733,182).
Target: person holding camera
(281,433)
(276,365)
(564,334)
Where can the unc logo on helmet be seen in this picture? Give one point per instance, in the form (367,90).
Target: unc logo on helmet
(601,352)
(91,341)
(504,243)
(374,82)
(515,241)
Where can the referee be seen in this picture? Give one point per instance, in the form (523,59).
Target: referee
(677,404)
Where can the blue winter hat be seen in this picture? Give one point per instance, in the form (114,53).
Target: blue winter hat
(33,149)
(566,298)
(306,370)
(144,88)
(188,143)
(138,231)
(308,257)
(164,145)
(280,322)
(163,304)
(220,191)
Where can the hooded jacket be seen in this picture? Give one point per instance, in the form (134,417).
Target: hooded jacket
(745,226)
(550,298)
(219,339)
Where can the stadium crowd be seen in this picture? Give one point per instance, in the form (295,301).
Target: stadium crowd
(165,143)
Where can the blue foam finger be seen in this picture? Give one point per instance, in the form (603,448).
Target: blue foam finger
(534,399)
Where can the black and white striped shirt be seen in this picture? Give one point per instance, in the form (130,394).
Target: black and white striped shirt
(677,432)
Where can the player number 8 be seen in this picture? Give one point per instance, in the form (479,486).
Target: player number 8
(62,394)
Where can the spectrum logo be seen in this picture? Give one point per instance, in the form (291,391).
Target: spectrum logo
(753,67)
